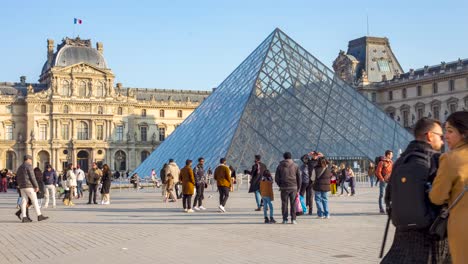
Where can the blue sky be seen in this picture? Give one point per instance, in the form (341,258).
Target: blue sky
(196,44)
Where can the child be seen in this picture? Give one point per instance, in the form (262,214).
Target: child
(266,190)
(333,180)
(170,188)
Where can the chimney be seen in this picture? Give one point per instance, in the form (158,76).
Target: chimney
(50,50)
(119,86)
(100,47)
(23,80)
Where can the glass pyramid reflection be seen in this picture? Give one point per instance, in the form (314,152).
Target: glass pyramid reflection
(281,98)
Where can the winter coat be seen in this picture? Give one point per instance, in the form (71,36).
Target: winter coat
(256,176)
(71,179)
(222,176)
(305,174)
(50,177)
(94,176)
(188,180)
(106,182)
(169,183)
(40,183)
(175,171)
(288,176)
(322,180)
(25,177)
(451,178)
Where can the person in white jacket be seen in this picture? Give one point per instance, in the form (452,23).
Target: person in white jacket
(71,183)
(175,171)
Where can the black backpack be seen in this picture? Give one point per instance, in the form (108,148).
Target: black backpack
(411,208)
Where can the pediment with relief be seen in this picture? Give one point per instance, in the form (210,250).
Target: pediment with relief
(84,68)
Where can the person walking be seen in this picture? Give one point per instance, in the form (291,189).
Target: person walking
(321,187)
(451,180)
(288,178)
(80,176)
(106,184)
(71,183)
(407,199)
(40,183)
(222,175)
(175,171)
(93,179)
(266,190)
(163,173)
(233,177)
(383,173)
(200,184)
(188,182)
(28,188)
(50,182)
(371,174)
(342,179)
(257,173)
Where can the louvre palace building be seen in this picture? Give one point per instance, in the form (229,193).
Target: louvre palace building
(431,91)
(76,114)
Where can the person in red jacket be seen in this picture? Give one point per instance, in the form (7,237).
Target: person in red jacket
(383,172)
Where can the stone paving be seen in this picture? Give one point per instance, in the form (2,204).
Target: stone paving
(139,228)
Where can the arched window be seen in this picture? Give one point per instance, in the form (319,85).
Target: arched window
(10,160)
(100,111)
(83,131)
(161,113)
(143,112)
(65,90)
(82,89)
(119,111)
(43,109)
(66,109)
(99,89)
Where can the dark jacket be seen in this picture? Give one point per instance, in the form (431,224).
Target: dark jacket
(322,180)
(305,174)
(40,184)
(163,173)
(25,177)
(106,182)
(50,177)
(256,176)
(288,176)
(199,173)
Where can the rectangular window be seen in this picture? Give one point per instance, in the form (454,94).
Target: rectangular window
(65,132)
(452,108)
(162,134)
(43,132)
(403,92)
(179,113)
(374,97)
(9,132)
(419,88)
(452,85)
(9,109)
(405,114)
(435,88)
(383,65)
(436,111)
(120,133)
(99,132)
(144,133)
(390,95)
(420,113)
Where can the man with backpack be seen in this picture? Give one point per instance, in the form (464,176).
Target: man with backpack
(383,173)
(407,198)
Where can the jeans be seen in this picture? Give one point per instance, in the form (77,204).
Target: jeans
(187,201)
(258,198)
(92,188)
(267,203)
(321,198)
(372,180)
(31,194)
(382,186)
(79,188)
(223,195)
(199,195)
(343,187)
(49,191)
(291,196)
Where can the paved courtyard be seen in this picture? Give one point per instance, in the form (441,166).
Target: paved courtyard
(140,228)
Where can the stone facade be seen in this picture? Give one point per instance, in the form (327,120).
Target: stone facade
(432,91)
(76,114)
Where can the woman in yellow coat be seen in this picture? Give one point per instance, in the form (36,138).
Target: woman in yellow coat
(187,178)
(452,176)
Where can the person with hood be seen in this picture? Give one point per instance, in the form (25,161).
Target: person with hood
(257,173)
(288,178)
(50,181)
(175,171)
(188,183)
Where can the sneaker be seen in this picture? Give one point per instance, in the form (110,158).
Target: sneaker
(258,209)
(327,217)
(285,222)
(202,208)
(185,210)
(382,211)
(294,222)
(222,208)
(26,220)
(272,220)
(42,218)
(267,221)
(196,208)
(189,211)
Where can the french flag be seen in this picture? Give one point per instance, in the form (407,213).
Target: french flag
(77,21)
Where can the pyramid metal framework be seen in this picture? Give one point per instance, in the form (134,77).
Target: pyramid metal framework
(281,98)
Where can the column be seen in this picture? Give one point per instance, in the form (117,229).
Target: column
(72,128)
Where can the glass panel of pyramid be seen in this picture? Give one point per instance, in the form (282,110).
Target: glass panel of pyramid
(281,98)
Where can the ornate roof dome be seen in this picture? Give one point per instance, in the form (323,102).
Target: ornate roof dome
(73,51)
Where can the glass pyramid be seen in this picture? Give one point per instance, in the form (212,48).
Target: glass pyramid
(281,98)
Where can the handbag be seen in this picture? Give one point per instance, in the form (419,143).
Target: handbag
(439,227)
